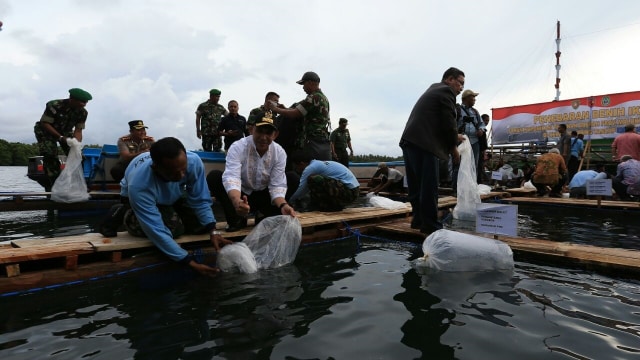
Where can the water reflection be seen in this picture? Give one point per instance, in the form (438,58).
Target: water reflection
(339,301)
(427,324)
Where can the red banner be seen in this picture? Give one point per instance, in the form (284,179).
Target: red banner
(601,117)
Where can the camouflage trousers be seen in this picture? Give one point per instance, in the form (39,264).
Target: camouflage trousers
(178,218)
(48,149)
(329,194)
(211,142)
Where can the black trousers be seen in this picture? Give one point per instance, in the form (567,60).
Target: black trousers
(258,200)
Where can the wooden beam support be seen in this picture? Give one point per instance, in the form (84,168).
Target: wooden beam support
(12,270)
(71,262)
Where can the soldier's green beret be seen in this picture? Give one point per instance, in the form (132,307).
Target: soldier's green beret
(79,94)
(215,92)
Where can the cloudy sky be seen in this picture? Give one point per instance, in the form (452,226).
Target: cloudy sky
(156,59)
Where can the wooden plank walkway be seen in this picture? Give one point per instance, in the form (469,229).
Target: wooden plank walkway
(609,260)
(607,204)
(49,261)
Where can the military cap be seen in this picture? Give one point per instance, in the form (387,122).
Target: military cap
(267,120)
(309,76)
(79,94)
(137,125)
(215,92)
(343,121)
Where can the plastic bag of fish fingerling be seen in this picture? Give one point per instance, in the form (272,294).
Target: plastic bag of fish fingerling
(446,250)
(275,241)
(237,257)
(70,186)
(384,202)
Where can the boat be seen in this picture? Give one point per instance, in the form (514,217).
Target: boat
(104,190)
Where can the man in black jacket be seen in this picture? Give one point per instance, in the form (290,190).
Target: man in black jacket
(429,135)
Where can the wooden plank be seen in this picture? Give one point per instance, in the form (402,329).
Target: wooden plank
(58,241)
(48,194)
(18,255)
(612,204)
(521,191)
(47,277)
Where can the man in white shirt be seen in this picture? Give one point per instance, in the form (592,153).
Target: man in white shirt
(390,179)
(254,177)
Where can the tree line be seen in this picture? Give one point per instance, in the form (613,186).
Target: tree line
(18,154)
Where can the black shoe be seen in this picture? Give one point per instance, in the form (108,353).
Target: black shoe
(113,220)
(555,195)
(236,225)
(107,232)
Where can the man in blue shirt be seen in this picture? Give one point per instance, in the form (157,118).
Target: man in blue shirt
(578,185)
(331,185)
(167,192)
(577,147)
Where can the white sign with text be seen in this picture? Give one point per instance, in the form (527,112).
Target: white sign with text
(497,219)
(600,187)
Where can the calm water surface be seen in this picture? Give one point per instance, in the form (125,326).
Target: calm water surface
(342,300)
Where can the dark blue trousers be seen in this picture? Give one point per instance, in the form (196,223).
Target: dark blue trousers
(422,170)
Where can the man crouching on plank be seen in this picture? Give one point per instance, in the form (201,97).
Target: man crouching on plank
(165,194)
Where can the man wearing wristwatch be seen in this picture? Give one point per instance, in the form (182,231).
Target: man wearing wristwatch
(254,177)
(61,119)
(167,193)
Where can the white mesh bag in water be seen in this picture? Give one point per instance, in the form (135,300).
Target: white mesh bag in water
(274,242)
(237,257)
(468,194)
(446,250)
(70,186)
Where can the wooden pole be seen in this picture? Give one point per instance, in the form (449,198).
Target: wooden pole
(585,153)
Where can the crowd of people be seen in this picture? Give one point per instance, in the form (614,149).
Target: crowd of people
(165,191)
(280,159)
(559,170)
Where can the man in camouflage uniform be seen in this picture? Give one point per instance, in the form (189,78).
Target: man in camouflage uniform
(340,140)
(208,116)
(131,146)
(61,119)
(314,113)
